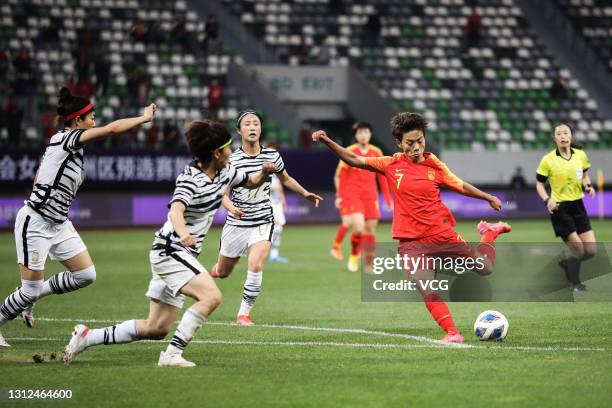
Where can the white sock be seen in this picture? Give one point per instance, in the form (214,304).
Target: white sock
(124,332)
(252,288)
(22,298)
(65,282)
(190,323)
(276,240)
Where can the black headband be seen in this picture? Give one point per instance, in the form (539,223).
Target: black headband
(242,114)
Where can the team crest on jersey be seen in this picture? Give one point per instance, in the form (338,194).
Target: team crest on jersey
(431,175)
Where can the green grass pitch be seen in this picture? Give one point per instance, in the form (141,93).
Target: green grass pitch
(316,344)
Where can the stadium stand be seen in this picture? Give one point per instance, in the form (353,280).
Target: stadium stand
(75,41)
(495,93)
(593,20)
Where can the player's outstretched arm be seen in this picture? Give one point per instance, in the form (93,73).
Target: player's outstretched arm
(345,155)
(471,191)
(293,185)
(118,126)
(258,178)
(177,218)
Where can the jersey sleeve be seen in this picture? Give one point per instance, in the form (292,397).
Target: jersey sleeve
(379,163)
(586,164)
(280,165)
(447,177)
(71,141)
(236,177)
(543,170)
(184,190)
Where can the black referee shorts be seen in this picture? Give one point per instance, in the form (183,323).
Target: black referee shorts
(571,216)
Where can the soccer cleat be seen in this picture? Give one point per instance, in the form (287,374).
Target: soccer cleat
(28,316)
(353,263)
(173,360)
(3,342)
(213,272)
(77,344)
(496,227)
(452,338)
(278,259)
(244,320)
(336,253)
(579,287)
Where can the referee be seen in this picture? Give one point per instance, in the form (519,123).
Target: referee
(566,169)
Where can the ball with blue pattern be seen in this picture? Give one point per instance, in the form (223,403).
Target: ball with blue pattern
(491,325)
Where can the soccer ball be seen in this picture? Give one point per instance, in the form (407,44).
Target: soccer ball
(491,325)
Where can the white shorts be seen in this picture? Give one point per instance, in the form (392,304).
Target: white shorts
(36,238)
(279,214)
(235,241)
(170,273)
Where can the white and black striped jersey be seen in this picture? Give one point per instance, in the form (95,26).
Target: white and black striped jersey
(254,203)
(59,176)
(202,198)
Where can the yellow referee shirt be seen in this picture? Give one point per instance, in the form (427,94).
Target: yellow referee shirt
(565,176)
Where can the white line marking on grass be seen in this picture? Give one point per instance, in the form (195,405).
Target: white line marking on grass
(429,342)
(339,344)
(309,328)
(265,343)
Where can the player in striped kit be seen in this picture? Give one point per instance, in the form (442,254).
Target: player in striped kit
(250,220)
(176,271)
(42,226)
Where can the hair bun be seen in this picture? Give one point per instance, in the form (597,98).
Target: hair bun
(64,95)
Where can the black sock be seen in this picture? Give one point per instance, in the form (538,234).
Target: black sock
(573,270)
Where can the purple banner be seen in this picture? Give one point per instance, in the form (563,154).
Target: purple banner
(121,210)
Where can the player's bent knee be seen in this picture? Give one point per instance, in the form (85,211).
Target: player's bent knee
(32,289)
(85,277)
(589,252)
(256,266)
(578,252)
(214,298)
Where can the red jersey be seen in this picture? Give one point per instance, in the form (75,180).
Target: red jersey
(359,183)
(418,209)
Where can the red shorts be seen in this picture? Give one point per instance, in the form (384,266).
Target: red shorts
(443,244)
(366,206)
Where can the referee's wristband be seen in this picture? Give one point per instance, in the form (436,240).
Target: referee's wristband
(588,186)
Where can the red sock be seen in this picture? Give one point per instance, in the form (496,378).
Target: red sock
(340,235)
(368,243)
(488,250)
(355,243)
(439,311)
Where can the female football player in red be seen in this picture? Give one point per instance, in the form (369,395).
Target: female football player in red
(357,200)
(421,221)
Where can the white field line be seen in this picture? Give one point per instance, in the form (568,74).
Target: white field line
(266,343)
(309,328)
(429,342)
